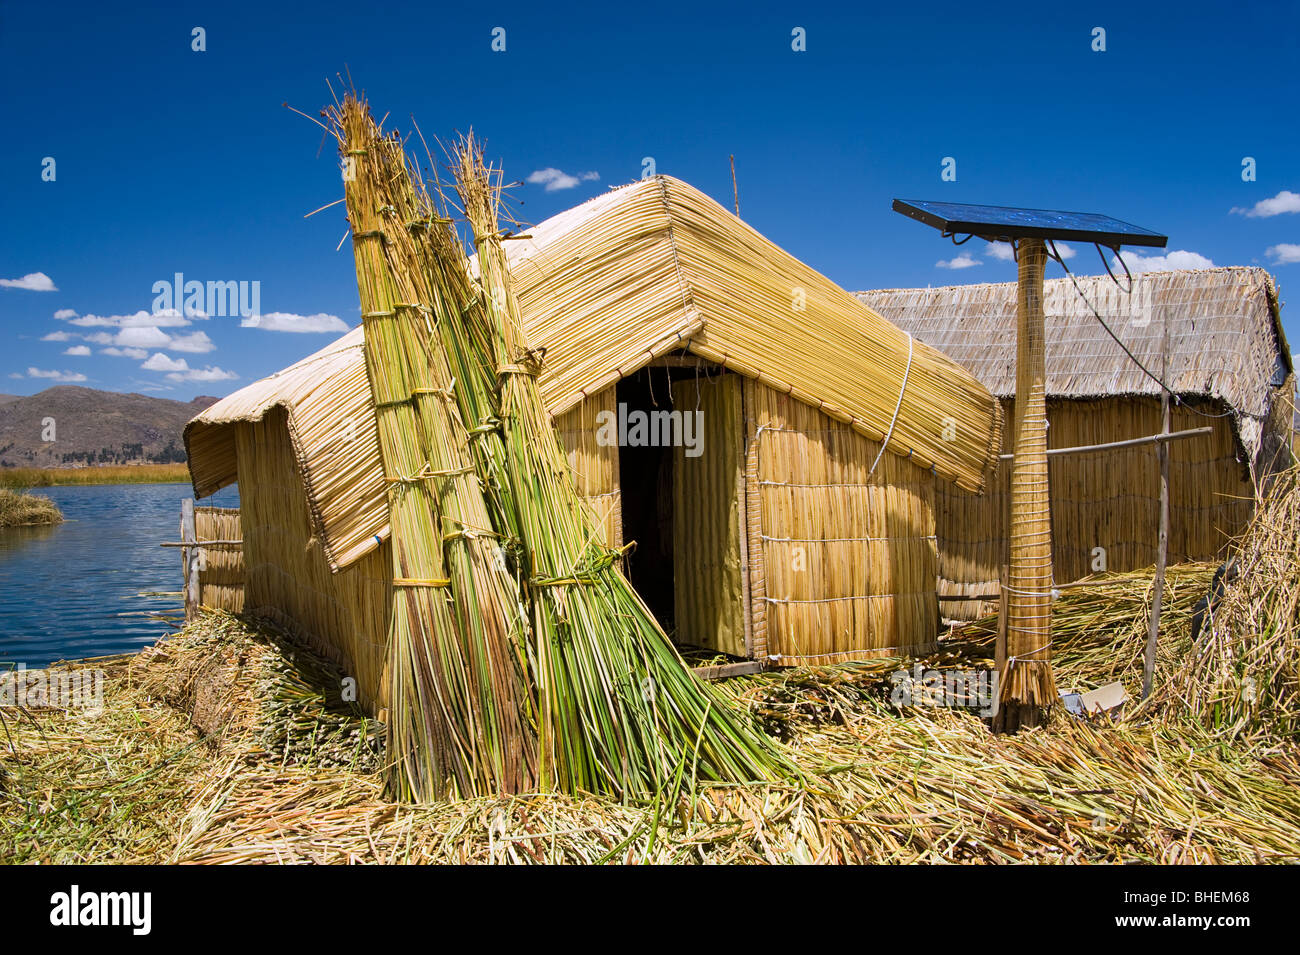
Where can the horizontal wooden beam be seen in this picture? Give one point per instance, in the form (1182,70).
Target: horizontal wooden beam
(723,670)
(201,544)
(1130,443)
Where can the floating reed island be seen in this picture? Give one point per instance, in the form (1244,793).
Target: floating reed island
(433,505)
(231,742)
(20,509)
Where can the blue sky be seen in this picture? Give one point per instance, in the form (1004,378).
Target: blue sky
(169,160)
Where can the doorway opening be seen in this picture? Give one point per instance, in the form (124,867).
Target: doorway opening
(680,468)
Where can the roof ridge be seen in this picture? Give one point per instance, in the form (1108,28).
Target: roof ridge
(689,308)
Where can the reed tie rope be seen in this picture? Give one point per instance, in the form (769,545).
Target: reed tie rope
(897,407)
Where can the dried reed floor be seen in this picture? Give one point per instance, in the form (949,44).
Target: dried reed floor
(219,746)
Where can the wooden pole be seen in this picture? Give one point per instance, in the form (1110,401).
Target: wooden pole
(735,190)
(1026,683)
(1000,643)
(189,563)
(1114,445)
(1162,544)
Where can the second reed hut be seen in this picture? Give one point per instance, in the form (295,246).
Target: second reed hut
(1228,365)
(772,444)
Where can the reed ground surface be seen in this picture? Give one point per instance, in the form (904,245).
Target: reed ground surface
(225,743)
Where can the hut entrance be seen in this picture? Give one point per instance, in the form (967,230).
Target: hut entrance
(681,466)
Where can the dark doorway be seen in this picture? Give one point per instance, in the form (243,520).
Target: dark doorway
(646,477)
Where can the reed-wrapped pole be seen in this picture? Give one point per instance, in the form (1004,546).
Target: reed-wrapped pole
(460,718)
(1026,680)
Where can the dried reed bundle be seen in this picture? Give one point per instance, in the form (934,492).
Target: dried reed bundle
(460,713)
(1241,677)
(619,711)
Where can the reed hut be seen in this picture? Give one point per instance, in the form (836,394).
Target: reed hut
(1228,365)
(772,445)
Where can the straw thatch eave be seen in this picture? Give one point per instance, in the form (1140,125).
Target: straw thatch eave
(331,423)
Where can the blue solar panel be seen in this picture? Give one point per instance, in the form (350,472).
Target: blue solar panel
(1006,222)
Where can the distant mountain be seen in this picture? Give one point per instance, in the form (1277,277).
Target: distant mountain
(92,427)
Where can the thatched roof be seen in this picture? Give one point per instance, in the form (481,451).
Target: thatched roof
(1225,336)
(607,286)
(332,427)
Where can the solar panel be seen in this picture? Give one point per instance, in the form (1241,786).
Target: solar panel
(1009,223)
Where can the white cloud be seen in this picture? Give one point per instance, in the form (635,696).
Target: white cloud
(1287,253)
(32,282)
(166,318)
(57,337)
(65,313)
(289,322)
(1284,201)
(15,374)
(136,353)
(1179,259)
(195,343)
(148,337)
(210,373)
(1003,253)
(160,362)
(55,375)
(963,261)
(555,179)
(77,350)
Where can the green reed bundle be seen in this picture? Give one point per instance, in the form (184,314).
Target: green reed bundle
(619,712)
(460,717)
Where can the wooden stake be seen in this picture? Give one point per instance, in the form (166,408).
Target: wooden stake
(1162,545)
(189,555)
(1026,683)
(735,190)
(1000,645)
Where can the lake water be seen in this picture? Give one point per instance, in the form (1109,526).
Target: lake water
(71,590)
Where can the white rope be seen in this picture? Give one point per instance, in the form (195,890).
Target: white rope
(894,420)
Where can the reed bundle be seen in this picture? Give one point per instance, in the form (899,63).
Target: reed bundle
(459,706)
(1027,683)
(1241,677)
(618,710)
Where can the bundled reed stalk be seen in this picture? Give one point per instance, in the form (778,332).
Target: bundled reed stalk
(460,719)
(1241,678)
(1027,685)
(619,712)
